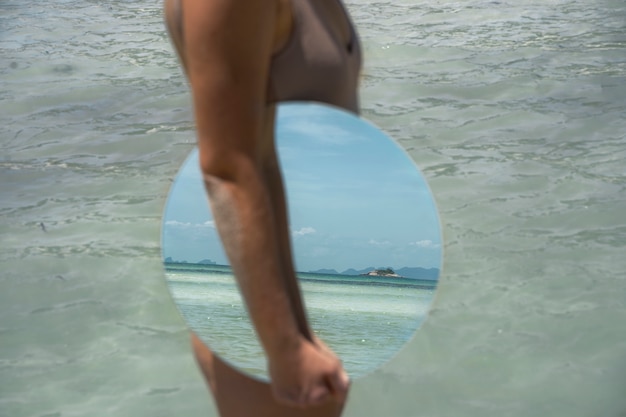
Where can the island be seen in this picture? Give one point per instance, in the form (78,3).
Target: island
(169,260)
(387,272)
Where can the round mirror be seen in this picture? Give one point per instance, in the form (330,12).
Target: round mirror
(365,234)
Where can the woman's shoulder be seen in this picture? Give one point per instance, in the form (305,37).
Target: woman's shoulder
(229,23)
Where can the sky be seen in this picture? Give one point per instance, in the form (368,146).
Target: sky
(356,199)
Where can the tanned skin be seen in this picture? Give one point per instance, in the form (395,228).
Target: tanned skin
(225,48)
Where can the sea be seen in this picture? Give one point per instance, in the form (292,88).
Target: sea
(515,111)
(365,320)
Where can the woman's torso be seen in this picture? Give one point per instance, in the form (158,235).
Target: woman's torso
(317,54)
(322,58)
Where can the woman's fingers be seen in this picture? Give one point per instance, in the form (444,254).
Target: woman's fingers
(307,376)
(339,384)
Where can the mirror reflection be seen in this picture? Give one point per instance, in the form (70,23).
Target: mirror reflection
(365,234)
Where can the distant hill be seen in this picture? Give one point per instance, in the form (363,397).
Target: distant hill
(169,260)
(325,271)
(408,272)
(353,271)
(419,273)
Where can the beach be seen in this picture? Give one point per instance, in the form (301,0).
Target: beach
(514,112)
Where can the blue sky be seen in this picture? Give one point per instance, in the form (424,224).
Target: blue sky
(356,199)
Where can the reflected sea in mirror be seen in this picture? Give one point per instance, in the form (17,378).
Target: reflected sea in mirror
(513,110)
(355,199)
(365,323)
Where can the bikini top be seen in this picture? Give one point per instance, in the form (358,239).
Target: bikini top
(314,65)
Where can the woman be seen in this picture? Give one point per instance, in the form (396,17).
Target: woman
(241,57)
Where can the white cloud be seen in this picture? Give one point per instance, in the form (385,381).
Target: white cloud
(176,223)
(425,244)
(304,231)
(379,243)
(184,225)
(324,133)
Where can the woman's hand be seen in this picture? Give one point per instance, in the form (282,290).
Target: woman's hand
(307,373)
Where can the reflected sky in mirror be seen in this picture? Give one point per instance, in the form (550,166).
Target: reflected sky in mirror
(332,163)
(365,233)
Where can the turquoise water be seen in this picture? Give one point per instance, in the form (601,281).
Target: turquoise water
(365,320)
(514,111)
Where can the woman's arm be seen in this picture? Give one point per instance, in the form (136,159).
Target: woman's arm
(227,48)
(278,200)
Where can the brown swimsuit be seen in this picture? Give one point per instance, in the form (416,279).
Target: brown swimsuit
(314,65)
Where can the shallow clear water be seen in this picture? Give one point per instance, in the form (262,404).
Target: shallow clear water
(364,322)
(513,110)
